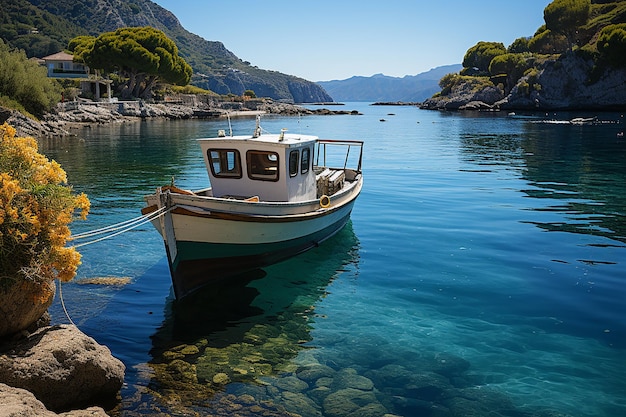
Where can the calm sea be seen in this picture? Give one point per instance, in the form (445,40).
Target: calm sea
(483,273)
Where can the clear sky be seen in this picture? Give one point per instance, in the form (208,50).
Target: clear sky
(323,40)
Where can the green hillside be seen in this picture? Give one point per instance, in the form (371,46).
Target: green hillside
(577,59)
(42,27)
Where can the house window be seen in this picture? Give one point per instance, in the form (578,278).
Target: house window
(293,163)
(225,163)
(262,165)
(305,161)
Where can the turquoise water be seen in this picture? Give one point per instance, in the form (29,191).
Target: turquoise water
(482,273)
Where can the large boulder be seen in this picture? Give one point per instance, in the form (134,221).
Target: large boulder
(22,304)
(17,402)
(63,368)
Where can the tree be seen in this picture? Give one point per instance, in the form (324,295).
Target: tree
(519,46)
(547,42)
(612,44)
(565,17)
(36,206)
(143,55)
(511,65)
(24,84)
(480,55)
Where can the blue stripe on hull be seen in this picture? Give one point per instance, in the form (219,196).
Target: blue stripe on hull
(199,264)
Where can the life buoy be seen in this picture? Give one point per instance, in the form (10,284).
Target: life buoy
(324,201)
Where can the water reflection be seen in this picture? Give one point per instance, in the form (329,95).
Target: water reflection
(240,333)
(579,172)
(576,170)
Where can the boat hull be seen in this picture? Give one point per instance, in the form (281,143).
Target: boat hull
(200,263)
(208,240)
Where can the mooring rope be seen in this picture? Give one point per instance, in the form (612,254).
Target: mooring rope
(106,229)
(118,228)
(124,226)
(63,303)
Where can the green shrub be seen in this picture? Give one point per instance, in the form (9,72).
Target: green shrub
(36,207)
(26,82)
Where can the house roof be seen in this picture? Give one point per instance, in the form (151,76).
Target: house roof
(59,56)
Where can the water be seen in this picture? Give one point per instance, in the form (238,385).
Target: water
(482,273)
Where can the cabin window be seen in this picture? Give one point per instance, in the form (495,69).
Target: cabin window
(262,165)
(225,163)
(293,163)
(305,161)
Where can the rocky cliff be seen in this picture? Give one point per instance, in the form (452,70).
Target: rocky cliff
(567,83)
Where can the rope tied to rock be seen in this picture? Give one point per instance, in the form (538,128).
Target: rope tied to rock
(113,230)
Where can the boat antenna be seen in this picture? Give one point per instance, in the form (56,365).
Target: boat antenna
(230,127)
(257,129)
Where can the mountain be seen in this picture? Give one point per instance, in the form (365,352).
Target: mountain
(379,87)
(43,27)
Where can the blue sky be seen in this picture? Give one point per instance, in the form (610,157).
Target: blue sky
(325,40)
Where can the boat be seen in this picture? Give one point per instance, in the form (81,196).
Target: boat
(271,197)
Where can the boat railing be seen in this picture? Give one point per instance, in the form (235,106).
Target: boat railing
(330,152)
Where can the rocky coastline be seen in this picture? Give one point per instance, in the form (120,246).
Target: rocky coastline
(66,118)
(568,83)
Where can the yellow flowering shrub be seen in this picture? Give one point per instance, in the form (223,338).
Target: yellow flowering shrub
(36,207)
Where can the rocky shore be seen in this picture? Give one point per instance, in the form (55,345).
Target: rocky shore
(567,83)
(67,117)
(56,369)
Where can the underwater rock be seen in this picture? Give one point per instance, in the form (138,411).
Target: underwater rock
(449,365)
(221,378)
(349,378)
(319,394)
(346,401)
(391,375)
(428,386)
(300,404)
(480,401)
(182,371)
(291,384)
(314,372)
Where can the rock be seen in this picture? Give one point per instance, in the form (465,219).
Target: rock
(16,402)
(314,372)
(22,304)
(348,378)
(567,84)
(462,95)
(221,378)
(347,401)
(291,384)
(300,404)
(63,368)
(182,371)
(449,365)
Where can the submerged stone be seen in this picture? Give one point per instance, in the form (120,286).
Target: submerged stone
(346,401)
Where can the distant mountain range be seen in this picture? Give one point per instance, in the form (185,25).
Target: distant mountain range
(379,87)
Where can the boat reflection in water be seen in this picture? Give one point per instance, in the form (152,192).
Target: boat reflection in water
(242,331)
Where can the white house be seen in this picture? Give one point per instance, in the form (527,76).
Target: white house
(62,65)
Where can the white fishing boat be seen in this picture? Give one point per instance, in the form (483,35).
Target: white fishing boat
(272,196)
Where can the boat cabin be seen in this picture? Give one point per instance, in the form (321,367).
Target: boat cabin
(270,167)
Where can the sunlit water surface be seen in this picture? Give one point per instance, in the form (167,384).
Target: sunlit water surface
(483,272)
